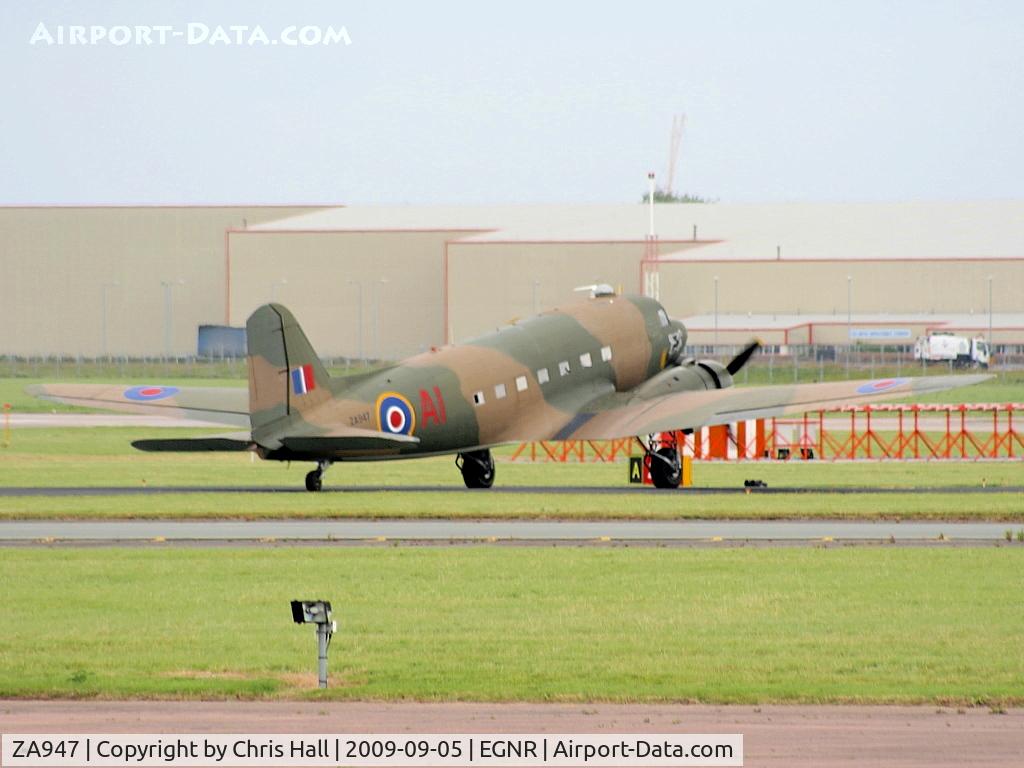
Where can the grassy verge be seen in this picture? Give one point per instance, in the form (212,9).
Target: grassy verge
(1003,507)
(765,625)
(103,457)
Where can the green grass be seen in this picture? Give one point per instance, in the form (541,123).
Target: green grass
(481,506)
(98,457)
(478,623)
(103,457)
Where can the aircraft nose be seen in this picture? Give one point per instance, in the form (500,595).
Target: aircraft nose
(676,341)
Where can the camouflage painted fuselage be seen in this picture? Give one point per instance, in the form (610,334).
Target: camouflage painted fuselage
(607,368)
(526,379)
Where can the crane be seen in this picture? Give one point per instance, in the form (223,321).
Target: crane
(676,139)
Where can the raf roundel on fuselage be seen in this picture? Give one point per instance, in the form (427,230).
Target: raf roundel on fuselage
(395,414)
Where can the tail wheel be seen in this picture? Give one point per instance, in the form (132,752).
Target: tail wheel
(315,479)
(666,470)
(477,468)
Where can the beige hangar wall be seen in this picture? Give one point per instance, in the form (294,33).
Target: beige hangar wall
(318,275)
(55,262)
(493,282)
(905,286)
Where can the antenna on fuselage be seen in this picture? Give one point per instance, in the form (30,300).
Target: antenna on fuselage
(597,290)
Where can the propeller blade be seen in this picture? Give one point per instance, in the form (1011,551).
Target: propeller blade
(736,364)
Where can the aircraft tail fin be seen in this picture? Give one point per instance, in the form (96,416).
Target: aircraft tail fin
(286,376)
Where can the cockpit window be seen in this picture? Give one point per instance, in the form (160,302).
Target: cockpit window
(663,318)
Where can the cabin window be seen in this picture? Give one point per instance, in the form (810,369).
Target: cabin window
(585,360)
(606,353)
(499,391)
(521,384)
(542,376)
(563,368)
(662,318)
(478,398)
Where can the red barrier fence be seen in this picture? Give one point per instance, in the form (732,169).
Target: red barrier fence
(900,431)
(889,431)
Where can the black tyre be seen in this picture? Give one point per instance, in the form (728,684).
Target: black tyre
(666,471)
(314,481)
(477,469)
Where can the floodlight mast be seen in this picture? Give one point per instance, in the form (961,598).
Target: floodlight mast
(317,612)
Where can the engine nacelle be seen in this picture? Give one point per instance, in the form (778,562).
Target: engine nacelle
(691,376)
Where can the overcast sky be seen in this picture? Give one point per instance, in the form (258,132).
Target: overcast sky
(472,102)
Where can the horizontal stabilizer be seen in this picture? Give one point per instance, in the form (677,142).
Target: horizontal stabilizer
(233,441)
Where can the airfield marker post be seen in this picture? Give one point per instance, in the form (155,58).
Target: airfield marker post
(322,638)
(317,612)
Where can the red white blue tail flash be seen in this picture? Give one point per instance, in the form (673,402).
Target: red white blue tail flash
(302,380)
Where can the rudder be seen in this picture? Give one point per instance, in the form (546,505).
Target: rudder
(286,376)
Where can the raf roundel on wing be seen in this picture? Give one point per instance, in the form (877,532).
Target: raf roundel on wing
(395,414)
(874,387)
(145,394)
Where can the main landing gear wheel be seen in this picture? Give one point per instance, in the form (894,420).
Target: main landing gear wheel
(477,468)
(315,479)
(666,470)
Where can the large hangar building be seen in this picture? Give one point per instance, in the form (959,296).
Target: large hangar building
(391,281)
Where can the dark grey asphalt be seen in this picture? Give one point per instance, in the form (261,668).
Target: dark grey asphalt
(445,531)
(149,490)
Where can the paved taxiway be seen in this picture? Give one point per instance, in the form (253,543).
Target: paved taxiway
(149,490)
(446,531)
(790,736)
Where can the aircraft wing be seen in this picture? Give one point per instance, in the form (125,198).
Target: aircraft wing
(218,405)
(610,418)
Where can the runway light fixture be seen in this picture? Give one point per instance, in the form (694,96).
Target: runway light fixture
(318,613)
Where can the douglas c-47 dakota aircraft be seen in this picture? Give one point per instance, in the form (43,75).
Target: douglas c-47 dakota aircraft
(610,367)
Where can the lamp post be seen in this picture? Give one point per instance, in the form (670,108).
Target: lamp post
(849,322)
(359,285)
(650,204)
(103,341)
(169,313)
(990,316)
(716,314)
(275,286)
(376,317)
